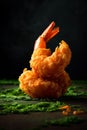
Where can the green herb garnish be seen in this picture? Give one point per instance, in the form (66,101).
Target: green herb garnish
(65,121)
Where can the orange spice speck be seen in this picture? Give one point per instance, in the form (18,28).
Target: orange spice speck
(65,113)
(78,112)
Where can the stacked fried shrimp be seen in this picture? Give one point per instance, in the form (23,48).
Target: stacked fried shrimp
(47,77)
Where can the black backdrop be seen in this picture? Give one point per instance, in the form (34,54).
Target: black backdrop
(22,21)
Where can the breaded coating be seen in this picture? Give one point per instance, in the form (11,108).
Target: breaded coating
(38,87)
(46,64)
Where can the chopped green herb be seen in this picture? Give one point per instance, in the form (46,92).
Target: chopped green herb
(77,90)
(26,108)
(9,82)
(65,121)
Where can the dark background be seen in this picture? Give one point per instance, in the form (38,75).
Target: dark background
(22,21)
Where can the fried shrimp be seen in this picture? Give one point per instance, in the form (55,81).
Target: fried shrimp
(47,77)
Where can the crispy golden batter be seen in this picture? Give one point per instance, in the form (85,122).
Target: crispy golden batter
(38,87)
(46,64)
(47,77)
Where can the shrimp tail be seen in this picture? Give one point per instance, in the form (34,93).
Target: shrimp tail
(47,34)
(50,32)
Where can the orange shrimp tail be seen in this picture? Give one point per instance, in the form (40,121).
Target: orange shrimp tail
(48,34)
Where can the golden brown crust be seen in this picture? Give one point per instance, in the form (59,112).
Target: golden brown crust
(46,64)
